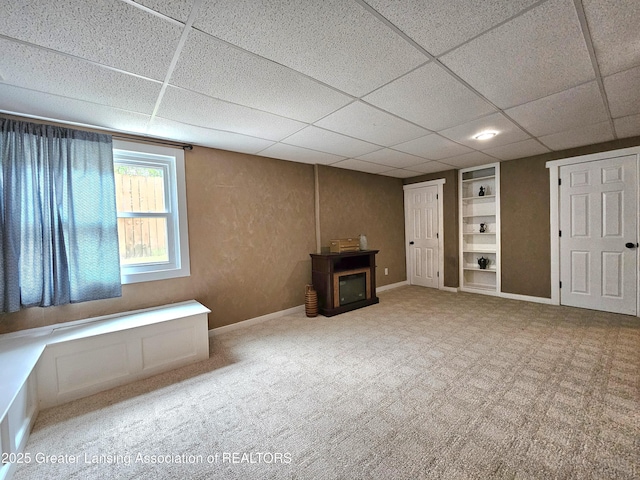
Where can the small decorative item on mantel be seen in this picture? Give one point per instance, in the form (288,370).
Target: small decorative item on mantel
(363,242)
(311,301)
(483,227)
(481,193)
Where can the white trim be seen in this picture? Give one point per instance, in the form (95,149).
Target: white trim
(527,298)
(554,190)
(391,286)
(254,321)
(439,183)
(450,289)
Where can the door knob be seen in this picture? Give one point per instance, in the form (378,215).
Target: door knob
(411,243)
(630,245)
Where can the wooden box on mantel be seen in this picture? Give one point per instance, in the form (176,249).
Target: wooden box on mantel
(344,245)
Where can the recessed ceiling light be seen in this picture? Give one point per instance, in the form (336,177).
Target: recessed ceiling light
(486,135)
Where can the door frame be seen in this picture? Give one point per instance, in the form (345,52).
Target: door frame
(554,190)
(407,254)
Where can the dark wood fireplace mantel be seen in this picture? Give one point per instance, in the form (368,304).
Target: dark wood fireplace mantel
(326,270)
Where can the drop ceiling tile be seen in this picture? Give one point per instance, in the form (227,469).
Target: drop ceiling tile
(196,109)
(431,167)
(508,132)
(472,159)
(627,126)
(176,9)
(400,173)
(206,137)
(431,98)
(527,148)
(575,107)
(538,53)
(391,158)
(43,70)
(299,154)
(337,42)
(368,123)
(623,92)
(359,165)
(439,25)
(577,137)
(110,32)
(432,147)
(316,138)
(20,101)
(219,70)
(613,25)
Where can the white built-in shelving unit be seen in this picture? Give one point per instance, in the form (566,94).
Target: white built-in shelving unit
(480,212)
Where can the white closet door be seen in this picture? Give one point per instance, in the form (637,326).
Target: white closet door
(598,223)
(423,236)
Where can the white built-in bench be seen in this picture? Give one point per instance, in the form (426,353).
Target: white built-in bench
(47,366)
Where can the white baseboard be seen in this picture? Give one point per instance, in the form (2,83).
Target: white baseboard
(256,320)
(390,286)
(527,298)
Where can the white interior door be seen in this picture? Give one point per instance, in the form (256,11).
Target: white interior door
(422,235)
(598,235)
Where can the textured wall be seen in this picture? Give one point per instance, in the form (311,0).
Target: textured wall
(525,237)
(450,221)
(352,203)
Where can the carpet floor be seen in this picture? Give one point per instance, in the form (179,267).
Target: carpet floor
(424,385)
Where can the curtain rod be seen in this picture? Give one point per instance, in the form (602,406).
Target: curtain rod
(184,146)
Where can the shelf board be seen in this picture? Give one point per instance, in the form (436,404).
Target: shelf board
(479,250)
(477,197)
(480,286)
(480,215)
(478,269)
(478,179)
(478,233)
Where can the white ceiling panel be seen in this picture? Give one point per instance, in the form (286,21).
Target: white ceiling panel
(391,158)
(176,9)
(368,123)
(164,128)
(316,138)
(623,92)
(220,70)
(508,132)
(538,53)
(561,111)
(299,154)
(338,42)
(472,159)
(131,39)
(209,112)
(359,165)
(401,173)
(527,148)
(577,137)
(627,126)
(15,100)
(432,147)
(430,97)
(430,167)
(39,69)
(613,25)
(440,25)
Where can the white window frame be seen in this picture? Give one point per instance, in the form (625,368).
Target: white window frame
(171,161)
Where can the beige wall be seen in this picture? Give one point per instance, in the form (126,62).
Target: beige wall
(251,229)
(352,203)
(450,221)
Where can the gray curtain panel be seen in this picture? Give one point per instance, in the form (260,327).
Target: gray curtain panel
(58,224)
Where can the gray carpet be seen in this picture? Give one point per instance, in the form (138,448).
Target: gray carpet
(426,384)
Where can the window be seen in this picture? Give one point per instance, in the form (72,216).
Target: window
(152,212)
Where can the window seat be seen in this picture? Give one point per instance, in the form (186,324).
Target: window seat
(48,366)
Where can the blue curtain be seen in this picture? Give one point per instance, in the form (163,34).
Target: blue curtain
(58,225)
